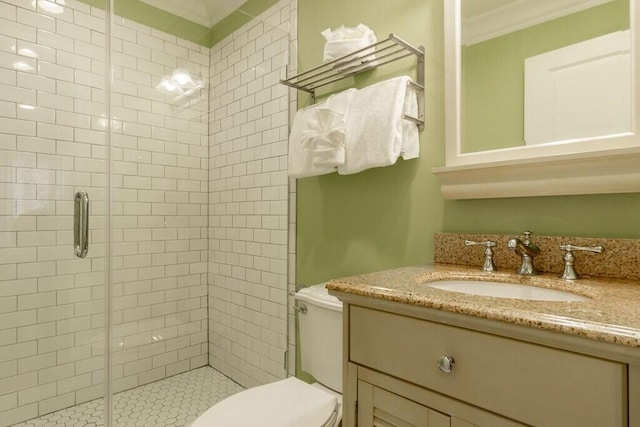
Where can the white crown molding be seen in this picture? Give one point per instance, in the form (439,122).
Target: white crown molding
(519,14)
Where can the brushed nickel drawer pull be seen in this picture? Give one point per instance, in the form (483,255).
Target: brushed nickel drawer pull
(445,364)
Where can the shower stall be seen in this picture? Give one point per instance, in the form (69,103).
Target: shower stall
(144,207)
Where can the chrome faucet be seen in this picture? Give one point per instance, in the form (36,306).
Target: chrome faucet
(527,251)
(488,264)
(570,272)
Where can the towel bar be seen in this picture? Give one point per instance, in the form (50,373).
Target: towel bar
(381,53)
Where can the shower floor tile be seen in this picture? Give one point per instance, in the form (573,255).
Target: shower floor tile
(174,402)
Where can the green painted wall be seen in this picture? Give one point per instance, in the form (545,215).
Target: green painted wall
(493,73)
(386,217)
(380,218)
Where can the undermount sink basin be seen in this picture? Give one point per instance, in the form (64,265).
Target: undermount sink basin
(505,290)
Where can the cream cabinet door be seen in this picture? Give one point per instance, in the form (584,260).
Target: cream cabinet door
(380,408)
(379,400)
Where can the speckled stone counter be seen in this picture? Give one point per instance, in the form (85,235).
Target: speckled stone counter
(612,313)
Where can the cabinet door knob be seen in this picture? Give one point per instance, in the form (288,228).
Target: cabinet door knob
(445,364)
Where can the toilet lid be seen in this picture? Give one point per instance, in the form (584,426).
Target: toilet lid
(285,403)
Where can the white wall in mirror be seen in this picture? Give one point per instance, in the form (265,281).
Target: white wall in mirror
(601,164)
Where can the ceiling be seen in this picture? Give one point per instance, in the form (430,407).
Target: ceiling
(204,12)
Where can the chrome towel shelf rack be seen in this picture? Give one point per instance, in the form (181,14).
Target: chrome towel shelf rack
(386,51)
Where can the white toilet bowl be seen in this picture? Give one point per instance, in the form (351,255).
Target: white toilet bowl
(292,402)
(285,403)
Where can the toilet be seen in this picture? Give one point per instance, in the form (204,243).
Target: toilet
(292,402)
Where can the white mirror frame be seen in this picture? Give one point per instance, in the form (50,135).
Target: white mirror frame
(583,167)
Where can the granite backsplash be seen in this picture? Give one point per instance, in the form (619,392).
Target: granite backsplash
(620,258)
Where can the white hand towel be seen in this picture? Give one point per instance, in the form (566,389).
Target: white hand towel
(375,128)
(300,158)
(317,138)
(341,102)
(324,137)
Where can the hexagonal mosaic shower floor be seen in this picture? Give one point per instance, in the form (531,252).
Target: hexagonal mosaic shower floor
(174,401)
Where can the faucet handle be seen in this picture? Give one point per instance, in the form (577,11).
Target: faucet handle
(526,237)
(569,248)
(488,264)
(570,272)
(486,243)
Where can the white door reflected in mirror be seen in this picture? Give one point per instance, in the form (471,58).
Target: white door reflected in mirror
(579,91)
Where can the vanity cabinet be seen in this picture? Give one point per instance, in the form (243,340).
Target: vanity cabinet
(377,406)
(393,379)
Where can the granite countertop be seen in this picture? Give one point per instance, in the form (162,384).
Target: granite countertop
(612,313)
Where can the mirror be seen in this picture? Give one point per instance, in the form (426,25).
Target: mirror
(542,86)
(532,74)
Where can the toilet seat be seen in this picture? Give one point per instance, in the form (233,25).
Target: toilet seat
(285,403)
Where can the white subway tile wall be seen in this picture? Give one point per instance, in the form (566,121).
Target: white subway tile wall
(249,199)
(159,164)
(52,144)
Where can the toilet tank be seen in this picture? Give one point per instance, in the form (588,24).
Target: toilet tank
(320,330)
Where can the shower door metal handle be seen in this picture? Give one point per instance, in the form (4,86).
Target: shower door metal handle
(81,224)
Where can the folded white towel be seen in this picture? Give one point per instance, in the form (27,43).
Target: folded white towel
(324,138)
(326,133)
(317,139)
(376,134)
(300,157)
(345,40)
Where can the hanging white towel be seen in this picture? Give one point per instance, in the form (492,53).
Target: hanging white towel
(324,138)
(325,133)
(300,157)
(317,139)
(376,134)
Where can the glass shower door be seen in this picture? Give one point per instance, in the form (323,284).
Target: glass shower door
(53,133)
(159,212)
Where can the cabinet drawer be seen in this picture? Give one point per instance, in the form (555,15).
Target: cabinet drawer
(529,383)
